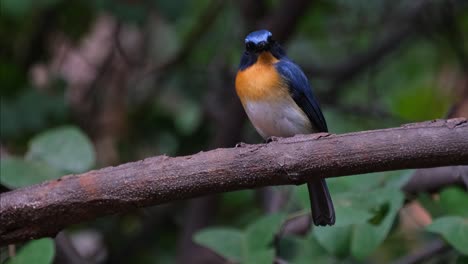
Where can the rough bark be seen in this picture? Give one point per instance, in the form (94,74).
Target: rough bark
(44,209)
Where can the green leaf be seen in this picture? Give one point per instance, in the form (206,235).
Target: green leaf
(334,239)
(18,173)
(255,245)
(224,241)
(65,148)
(16,8)
(29,112)
(367,237)
(265,256)
(21,8)
(37,251)
(433,207)
(370,217)
(260,234)
(349,210)
(309,248)
(453,201)
(369,181)
(454,229)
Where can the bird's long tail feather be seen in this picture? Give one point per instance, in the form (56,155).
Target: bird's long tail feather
(321,204)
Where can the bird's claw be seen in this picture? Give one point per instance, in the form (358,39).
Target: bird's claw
(240,145)
(271,139)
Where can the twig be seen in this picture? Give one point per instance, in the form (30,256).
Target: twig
(207,18)
(120,50)
(44,209)
(407,26)
(357,63)
(434,179)
(430,250)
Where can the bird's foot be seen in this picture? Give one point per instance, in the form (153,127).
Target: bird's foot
(271,139)
(240,145)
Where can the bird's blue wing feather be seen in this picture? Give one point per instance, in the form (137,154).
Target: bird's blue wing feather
(301,92)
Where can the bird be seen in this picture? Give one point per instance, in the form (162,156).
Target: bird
(279,101)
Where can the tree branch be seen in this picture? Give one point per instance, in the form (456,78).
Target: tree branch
(428,252)
(434,179)
(358,62)
(44,209)
(407,25)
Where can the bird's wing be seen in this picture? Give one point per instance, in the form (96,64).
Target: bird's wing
(301,92)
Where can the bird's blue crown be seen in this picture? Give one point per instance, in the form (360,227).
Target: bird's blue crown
(259,36)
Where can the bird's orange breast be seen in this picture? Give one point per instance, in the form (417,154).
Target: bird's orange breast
(261,81)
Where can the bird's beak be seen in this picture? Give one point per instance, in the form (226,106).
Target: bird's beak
(262,46)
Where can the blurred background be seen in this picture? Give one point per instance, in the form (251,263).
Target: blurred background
(89,84)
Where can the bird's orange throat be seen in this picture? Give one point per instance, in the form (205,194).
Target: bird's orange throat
(261,81)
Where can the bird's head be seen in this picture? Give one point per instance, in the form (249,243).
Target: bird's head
(258,41)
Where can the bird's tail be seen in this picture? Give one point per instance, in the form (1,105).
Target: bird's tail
(321,203)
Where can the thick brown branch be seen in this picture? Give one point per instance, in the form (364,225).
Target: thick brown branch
(432,180)
(44,209)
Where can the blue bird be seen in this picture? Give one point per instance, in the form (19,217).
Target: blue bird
(278,99)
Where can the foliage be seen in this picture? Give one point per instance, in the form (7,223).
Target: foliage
(66,123)
(39,251)
(452,223)
(30,112)
(252,245)
(50,155)
(454,229)
(18,172)
(65,148)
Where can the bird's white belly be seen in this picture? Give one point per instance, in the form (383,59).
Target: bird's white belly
(279,119)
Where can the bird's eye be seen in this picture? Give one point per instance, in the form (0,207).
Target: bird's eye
(250,45)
